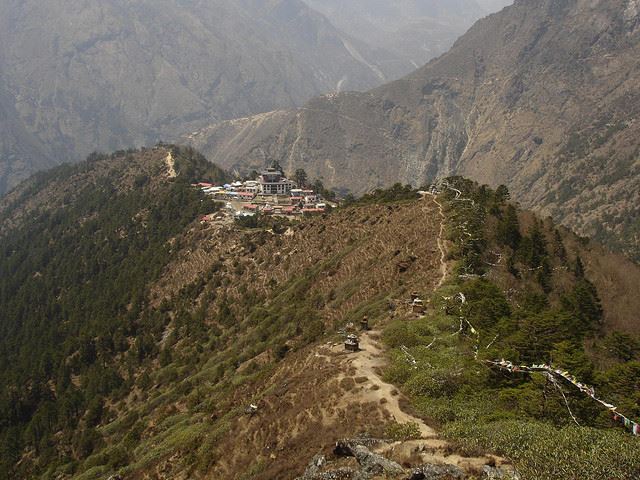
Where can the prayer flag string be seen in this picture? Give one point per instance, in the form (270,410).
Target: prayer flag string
(552,372)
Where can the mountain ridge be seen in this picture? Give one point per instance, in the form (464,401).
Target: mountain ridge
(169,346)
(87,76)
(539,96)
(416,31)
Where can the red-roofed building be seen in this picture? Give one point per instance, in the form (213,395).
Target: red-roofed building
(289,210)
(312,211)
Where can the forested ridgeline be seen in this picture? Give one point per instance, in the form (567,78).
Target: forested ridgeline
(169,341)
(130,330)
(520,291)
(124,170)
(79,248)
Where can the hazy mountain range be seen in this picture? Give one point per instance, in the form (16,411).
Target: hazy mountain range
(542,96)
(78,76)
(152,330)
(414,30)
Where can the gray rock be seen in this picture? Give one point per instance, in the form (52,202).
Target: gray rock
(437,472)
(374,464)
(506,472)
(315,466)
(338,474)
(370,463)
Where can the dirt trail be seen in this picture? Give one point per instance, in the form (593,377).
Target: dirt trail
(369,363)
(171,166)
(441,247)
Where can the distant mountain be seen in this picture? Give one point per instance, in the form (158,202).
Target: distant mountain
(494,5)
(542,96)
(414,30)
(79,76)
(21,152)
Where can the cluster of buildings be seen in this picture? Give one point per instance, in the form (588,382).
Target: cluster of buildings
(272,193)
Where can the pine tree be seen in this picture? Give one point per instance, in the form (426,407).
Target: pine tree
(560,250)
(165,357)
(502,194)
(300,177)
(545,275)
(578,270)
(508,231)
(533,248)
(588,305)
(95,411)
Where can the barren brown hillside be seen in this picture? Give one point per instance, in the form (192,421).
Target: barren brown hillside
(359,261)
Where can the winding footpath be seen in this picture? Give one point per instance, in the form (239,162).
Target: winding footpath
(171,166)
(370,362)
(441,247)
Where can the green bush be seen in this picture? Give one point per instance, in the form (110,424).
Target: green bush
(402,431)
(542,452)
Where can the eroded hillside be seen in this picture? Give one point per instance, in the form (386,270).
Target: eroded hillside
(541,96)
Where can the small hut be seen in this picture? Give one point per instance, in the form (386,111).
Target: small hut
(417,306)
(352,343)
(364,324)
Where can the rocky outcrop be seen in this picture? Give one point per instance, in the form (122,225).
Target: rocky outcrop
(374,465)
(437,472)
(370,464)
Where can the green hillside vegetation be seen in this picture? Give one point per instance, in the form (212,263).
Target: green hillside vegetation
(73,304)
(100,377)
(531,303)
(116,360)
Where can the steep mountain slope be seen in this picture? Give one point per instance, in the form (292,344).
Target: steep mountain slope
(134,338)
(103,75)
(20,151)
(494,5)
(541,96)
(415,30)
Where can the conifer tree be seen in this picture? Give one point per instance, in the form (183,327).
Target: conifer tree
(508,232)
(300,177)
(578,270)
(502,194)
